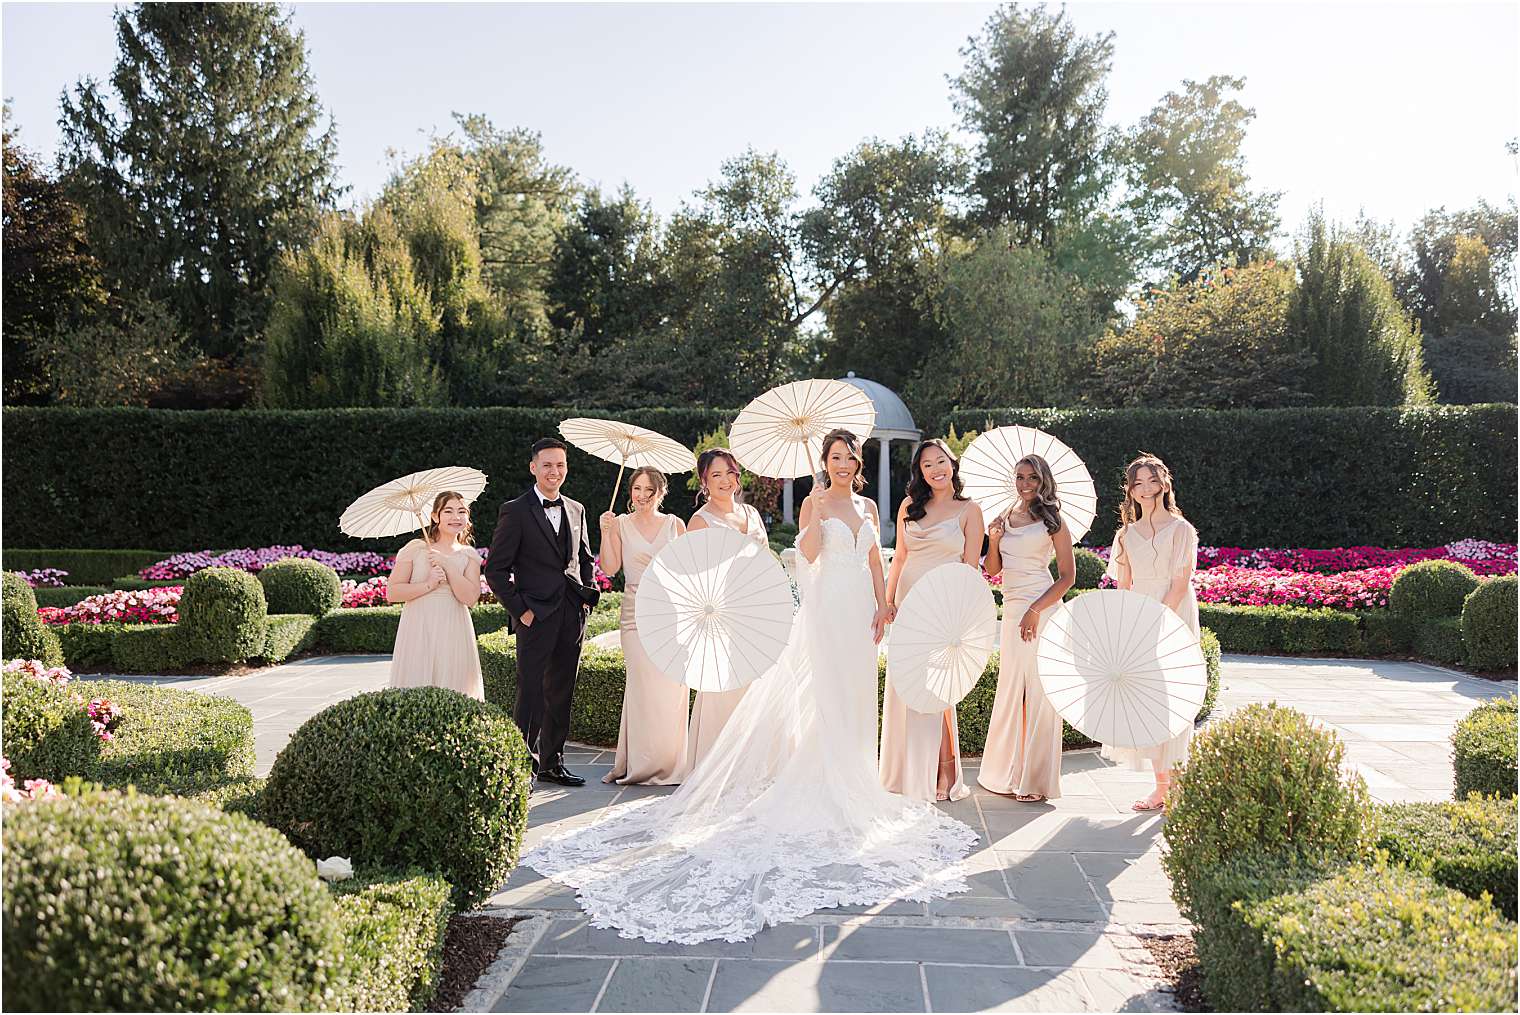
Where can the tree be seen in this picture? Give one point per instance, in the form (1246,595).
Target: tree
(51,281)
(1473,359)
(216,163)
(884,214)
(1019,330)
(1366,349)
(1219,341)
(120,357)
(1188,181)
(1033,94)
(1433,242)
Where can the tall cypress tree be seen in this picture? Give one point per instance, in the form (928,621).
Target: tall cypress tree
(209,160)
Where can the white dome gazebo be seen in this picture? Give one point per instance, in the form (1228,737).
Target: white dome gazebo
(893,423)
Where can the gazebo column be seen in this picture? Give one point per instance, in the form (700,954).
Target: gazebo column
(786,502)
(884,491)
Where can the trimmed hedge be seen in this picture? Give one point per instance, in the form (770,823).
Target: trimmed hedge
(1262,778)
(115,902)
(1439,640)
(287,634)
(596,709)
(232,468)
(1431,589)
(222,615)
(1489,622)
(395,926)
(1484,750)
(372,629)
(85,567)
(1090,568)
(1468,845)
(149,649)
(138,584)
(407,777)
(23,635)
(1282,459)
(1292,630)
(47,734)
(1275,935)
(296,585)
(68,595)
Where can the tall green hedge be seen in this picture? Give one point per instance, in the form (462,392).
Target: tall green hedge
(226,478)
(1302,477)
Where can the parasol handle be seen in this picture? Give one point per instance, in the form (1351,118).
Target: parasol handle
(616,486)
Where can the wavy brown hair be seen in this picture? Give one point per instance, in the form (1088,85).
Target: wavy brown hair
(1130,510)
(919,490)
(1046,506)
(704,462)
(852,445)
(443,500)
(656,478)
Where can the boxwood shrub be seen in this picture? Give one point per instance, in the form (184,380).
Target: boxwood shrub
(394,924)
(407,777)
(1484,749)
(118,902)
(1090,568)
(169,740)
(1468,845)
(1275,933)
(1431,589)
(67,595)
(1262,778)
(1489,622)
(44,730)
(369,630)
(297,585)
(287,634)
(22,634)
(150,649)
(1439,640)
(222,615)
(87,647)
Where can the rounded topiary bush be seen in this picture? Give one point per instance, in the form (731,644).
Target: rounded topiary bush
(295,585)
(1489,619)
(23,635)
(407,777)
(1090,568)
(222,616)
(1262,779)
(45,730)
(1484,750)
(119,902)
(1431,589)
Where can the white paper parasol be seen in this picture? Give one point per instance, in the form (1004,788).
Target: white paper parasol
(714,609)
(987,468)
(942,638)
(1122,668)
(631,447)
(780,434)
(404,504)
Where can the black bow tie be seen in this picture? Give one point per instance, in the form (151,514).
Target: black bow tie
(553,504)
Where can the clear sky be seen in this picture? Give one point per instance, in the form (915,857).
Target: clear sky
(1392,108)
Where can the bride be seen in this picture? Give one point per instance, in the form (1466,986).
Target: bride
(785,815)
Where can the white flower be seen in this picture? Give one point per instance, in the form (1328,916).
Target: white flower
(335,868)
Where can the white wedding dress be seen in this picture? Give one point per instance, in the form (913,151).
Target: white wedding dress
(786,815)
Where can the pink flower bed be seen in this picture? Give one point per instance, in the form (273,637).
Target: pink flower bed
(1365,589)
(38,670)
(141,606)
(34,789)
(183,565)
(44,577)
(104,714)
(1483,557)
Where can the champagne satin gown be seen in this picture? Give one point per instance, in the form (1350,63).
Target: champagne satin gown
(435,641)
(1153,565)
(651,748)
(711,710)
(1023,753)
(910,741)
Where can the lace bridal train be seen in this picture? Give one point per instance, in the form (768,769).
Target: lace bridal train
(786,816)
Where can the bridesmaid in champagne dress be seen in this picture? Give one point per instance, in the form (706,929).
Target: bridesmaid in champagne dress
(1154,553)
(1023,752)
(937,524)
(438,581)
(651,748)
(718,472)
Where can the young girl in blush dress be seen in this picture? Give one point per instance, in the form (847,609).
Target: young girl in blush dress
(651,748)
(1023,752)
(936,524)
(1154,553)
(438,580)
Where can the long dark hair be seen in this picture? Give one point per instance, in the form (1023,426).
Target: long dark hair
(466,535)
(852,447)
(705,459)
(919,490)
(1046,506)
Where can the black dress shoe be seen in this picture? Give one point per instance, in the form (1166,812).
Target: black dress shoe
(560,775)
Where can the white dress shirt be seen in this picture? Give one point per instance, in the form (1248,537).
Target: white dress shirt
(555,514)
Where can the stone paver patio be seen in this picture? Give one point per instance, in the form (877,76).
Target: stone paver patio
(1060,890)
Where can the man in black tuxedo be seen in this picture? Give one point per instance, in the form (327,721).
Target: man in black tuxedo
(541,569)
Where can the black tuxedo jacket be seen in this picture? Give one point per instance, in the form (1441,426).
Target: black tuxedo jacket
(530,567)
